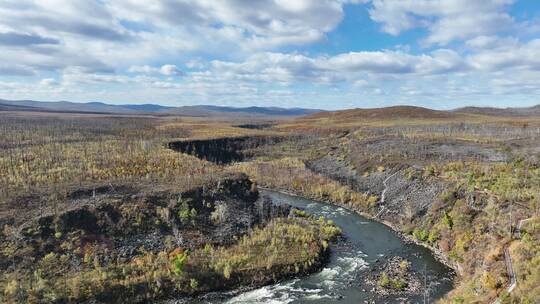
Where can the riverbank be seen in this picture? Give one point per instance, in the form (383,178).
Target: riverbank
(219,296)
(452,221)
(367,244)
(440,256)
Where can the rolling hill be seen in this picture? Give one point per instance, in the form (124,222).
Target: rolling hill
(492,111)
(395,112)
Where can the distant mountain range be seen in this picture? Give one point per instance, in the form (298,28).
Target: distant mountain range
(103,108)
(404,112)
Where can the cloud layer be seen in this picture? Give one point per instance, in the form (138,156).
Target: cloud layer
(258,52)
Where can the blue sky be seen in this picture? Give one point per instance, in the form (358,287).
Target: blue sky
(329,54)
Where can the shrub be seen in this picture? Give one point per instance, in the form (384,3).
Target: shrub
(404,266)
(398,283)
(420,234)
(193,283)
(178,262)
(227,269)
(384,281)
(300,213)
(184,212)
(447,219)
(432,237)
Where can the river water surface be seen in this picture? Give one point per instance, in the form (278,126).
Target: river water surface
(341,281)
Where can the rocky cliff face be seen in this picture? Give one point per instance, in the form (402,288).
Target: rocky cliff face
(130,222)
(400,196)
(224,150)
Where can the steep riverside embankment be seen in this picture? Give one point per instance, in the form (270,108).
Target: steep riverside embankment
(400,196)
(224,150)
(148,245)
(130,221)
(450,216)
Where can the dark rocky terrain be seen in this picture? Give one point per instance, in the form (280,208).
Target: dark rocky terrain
(393,169)
(119,225)
(128,222)
(224,150)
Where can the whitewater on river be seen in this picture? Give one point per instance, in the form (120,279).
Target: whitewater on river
(342,279)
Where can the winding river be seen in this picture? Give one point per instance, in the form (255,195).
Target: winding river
(341,281)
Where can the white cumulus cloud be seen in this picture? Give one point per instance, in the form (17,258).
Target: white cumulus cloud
(446,20)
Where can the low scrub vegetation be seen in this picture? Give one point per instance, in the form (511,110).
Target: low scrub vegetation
(97,208)
(282,247)
(487,188)
(487,173)
(291,174)
(55,154)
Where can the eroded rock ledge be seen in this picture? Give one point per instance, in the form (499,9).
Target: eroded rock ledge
(139,245)
(224,150)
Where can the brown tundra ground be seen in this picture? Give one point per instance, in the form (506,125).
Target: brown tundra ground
(457,182)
